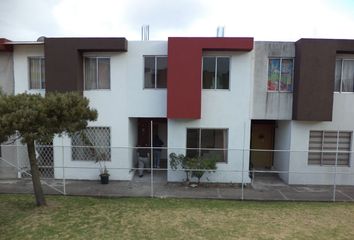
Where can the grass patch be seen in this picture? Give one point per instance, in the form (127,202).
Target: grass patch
(141,218)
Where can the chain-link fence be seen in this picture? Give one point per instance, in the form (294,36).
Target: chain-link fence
(240,174)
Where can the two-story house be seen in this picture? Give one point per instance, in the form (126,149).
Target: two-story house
(230,98)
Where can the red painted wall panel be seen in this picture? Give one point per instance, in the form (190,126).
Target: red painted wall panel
(184,85)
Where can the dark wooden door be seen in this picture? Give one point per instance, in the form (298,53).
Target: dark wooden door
(262,137)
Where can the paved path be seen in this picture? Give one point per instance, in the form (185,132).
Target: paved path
(140,187)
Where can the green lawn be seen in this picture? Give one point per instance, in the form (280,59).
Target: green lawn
(140,218)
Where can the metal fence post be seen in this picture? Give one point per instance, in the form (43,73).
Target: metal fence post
(243,159)
(335,170)
(63,164)
(151,161)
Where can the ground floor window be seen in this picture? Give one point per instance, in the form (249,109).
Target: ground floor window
(329,147)
(92,144)
(207,143)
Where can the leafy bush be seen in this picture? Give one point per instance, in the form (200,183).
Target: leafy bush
(194,167)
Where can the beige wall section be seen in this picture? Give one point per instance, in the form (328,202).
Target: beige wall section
(270,105)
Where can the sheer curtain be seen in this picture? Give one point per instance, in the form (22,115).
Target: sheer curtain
(35,73)
(104,81)
(90,73)
(338,74)
(348,76)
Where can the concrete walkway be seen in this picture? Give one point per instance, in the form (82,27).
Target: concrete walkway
(260,189)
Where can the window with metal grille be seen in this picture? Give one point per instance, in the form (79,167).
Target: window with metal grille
(36,73)
(207,143)
(329,148)
(97,73)
(344,75)
(92,144)
(216,72)
(155,72)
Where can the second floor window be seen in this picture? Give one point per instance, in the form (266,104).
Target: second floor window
(216,72)
(97,73)
(155,72)
(36,73)
(344,76)
(280,74)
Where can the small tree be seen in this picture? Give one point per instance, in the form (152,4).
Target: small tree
(32,117)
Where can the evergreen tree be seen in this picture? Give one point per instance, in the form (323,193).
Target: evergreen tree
(32,117)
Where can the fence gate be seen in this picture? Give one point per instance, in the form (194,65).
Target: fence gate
(45,160)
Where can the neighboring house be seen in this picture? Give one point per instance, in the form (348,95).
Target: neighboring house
(231,94)
(7,86)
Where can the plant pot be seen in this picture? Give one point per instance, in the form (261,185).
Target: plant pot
(104,178)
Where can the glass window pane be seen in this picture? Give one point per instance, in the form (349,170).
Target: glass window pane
(209,72)
(286,82)
(223,73)
(192,142)
(214,138)
(35,73)
(149,72)
(273,74)
(90,73)
(161,72)
(348,76)
(104,73)
(338,74)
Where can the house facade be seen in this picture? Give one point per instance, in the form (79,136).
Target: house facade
(280,106)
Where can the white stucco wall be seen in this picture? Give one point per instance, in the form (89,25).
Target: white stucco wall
(270,105)
(282,143)
(228,109)
(343,115)
(21,68)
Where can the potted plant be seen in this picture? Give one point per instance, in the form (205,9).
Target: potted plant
(104,176)
(98,155)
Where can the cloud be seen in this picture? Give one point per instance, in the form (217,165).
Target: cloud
(26,20)
(264,20)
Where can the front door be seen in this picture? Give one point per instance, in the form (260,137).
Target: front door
(262,137)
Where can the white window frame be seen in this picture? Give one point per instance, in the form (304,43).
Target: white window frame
(341,73)
(216,71)
(155,80)
(84,68)
(199,149)
(292,74)
(41,75)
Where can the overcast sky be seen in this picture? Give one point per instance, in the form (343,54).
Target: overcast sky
(283,20)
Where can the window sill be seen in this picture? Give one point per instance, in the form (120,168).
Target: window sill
(89,90)
(215,89)
(154,88)
(279,91)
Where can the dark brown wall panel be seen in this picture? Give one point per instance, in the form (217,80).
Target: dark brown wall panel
(64,60)
(314,77)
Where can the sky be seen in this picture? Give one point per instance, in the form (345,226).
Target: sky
(268,20)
